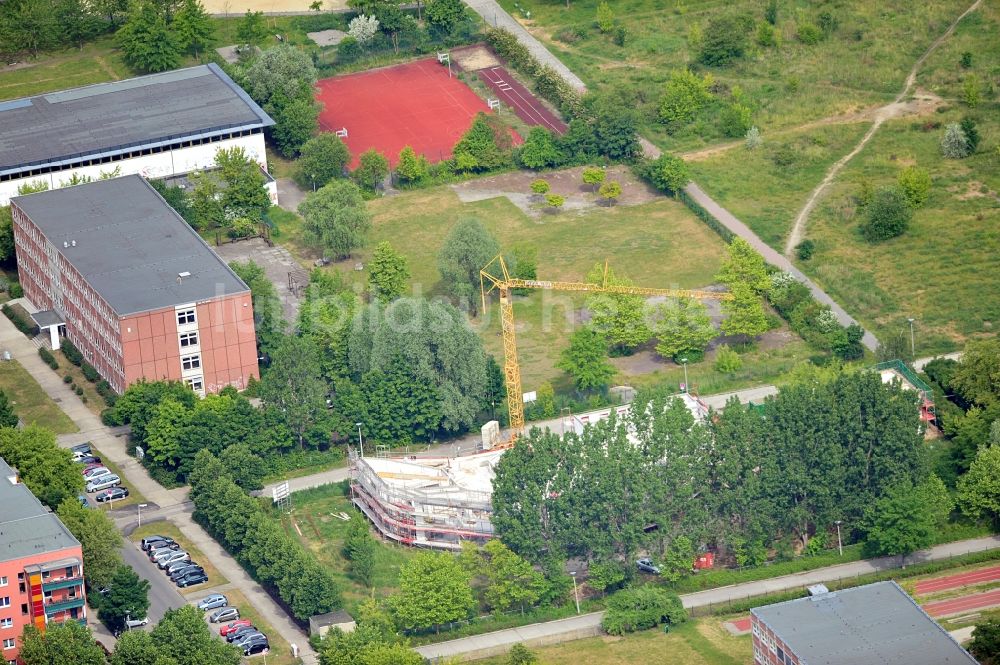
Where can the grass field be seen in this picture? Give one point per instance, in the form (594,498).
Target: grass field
(30,402)
(324,535)
(94,401)
(863,61)
(697,642)
(164,528)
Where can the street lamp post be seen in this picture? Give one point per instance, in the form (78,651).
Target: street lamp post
(360,442)
(313,177)
(576,591)
(684,361)
(138,510)
(840,544)
(913,346)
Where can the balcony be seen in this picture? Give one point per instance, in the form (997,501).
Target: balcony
(62,606)
(64,583)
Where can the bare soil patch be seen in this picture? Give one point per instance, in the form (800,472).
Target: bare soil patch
(474,58)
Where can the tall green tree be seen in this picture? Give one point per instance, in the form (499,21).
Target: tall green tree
(445,15)
(411,167)
(979,489)
(620,318)
(484,147)
(387,273)
(373,168)
(147,42)
(434,589)
(322,158)
(359,547)
(295,123)
(77,21)
(335,218)
(540,150)
(136,647)
(294,387)
(985,645)
(745,273)
(281,73)
(183,636)
(251,29)
(99,539)
(325,319)
(67,642)
(47,469)
(511,581)
(464,253)
(586,360)
(193,27)
(977,377)
(128,598)
(244,193)
(267,312)
(907,518)
(683,327)
(8,418)
(685,95)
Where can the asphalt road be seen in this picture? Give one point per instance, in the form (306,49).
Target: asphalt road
(162,592)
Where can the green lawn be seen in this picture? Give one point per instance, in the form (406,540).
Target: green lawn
(324,535)
(30,402)
(697,642)
(862,63)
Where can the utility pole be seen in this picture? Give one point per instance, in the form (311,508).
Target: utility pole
(576,591)
(360,443)
(913,346)
(684,361)
(840,544)
(138,510)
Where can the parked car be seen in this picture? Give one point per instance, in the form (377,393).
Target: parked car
(150,542)
(213,601)
(179,555)
(253,648)
(113,494)
(233,626)
(192,579)
(103,483)
(88,459)
(240,632)
(95,471)
(135,623)
(646,566)
(178,566)
(224,614)
(247,638)
(156,551)
(81,450)
(186,570)
(83,500)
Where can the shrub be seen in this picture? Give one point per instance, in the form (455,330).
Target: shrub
(48,358)
(67,379)
(104,388)
(954,143)
(685,94)
(620,36)
(753,139)
(726,39)
(727,361)
(348,50)
(915,184)
(540,187)
(71,352)
(89,372)
(79,390)
(783,156)
(888,215)
(555,201)
(605,18)
(804,250)
(26,326)
(735,120)
(966,60)
(971,132)
(667,172)
(16,290)
(809,34)
(640,608)
(766,35)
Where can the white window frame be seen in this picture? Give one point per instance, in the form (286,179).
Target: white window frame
(193,360)
(188,336)
(5,601)
(196,383)
(6,622)
(3,580)
(9,643)
(187,313)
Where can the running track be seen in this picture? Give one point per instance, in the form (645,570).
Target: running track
(960,580)
(964,604)
(522,102)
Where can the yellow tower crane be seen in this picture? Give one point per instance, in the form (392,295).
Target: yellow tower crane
(504,283)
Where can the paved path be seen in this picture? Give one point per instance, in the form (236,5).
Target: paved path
(494,14)
(552,632)
(920,363)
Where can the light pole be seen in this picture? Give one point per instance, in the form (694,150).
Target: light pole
(128,621)
(913,346)
(684,361)
(576,592)
(840,544)
(360,442)
(313,176)
(138,510)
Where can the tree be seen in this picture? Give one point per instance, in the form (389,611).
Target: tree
(610,191)
(244,466)
(683,327)
(954,143)
(555,202)
(735,120)
(887,216)
(77,21)
(743,265)
(363,28)
(47,469)
(466,251)
(99,539)
(727,38)
(977,376)
(668,173)
(280,75)
(321,159)
(136,647)
(744,313)
(915,184)
(511,581)
(293,385)
(445,15)
(753,139)
(620,318)
(484,147)
(972,91)
(251,29)
(206,207)
(433,590)
(411,167)
(244,193)
(605,18)
(585,359)
(540,150)
(359,547)
(539,187)
(641,608)
(183,635)
(66,642)
(147,44)
(685,95)
(593,176)
(387,273)
(7,251)
(613,127)
(128,598)
(335,219)
(907,518)
(7,416)
(971,132)
(392,20)
(979,489)
(268,315)
(294,124)
(985,645)
(521,655)
(193,27)
(373,642)
(372,170)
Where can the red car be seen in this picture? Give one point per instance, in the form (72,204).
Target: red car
(234,625)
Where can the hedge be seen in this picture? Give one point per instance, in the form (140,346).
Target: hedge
(27,327)
(71,352)
(89,372)
(705,216)
(48,358)
(548,83)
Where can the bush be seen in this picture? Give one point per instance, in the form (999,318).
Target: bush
(727,361)
(971,132)
(915,184)
(804,250)
(620,36)
(48,358)
(16,290)
(667,173)
(809,34)
(27,327)
(67,379)
(966,60)
(726,39)
(79,390)
(888,215)
(70,351)
(640,608)
(954,143)
(735,120)
(89,372)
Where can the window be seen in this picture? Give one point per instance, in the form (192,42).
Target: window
(5,601)
(196,384)
(189,339)
(6,622)
(185,317)
(3,580)
(69,571)
(8,643)
(190,362)
(24,608)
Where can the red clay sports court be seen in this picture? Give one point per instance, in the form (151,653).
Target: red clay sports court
(416,104)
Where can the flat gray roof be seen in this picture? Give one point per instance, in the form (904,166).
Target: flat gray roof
(110,118)
(130,245)
(26,526)
(866,625)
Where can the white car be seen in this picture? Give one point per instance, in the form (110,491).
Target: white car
(172,557)
(136,623)
(103,482)
(96,472)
